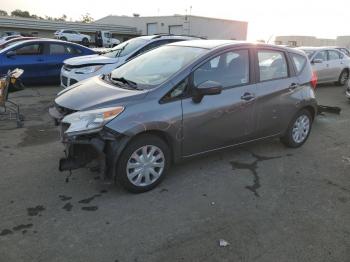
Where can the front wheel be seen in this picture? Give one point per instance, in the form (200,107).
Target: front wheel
(299,129)
(344,76)
(143,164)
(85,42)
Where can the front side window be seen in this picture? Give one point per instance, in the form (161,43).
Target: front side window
(229,69)
(157,65)
(32,49)
(272,65)
(177,92)
(299,62)
(333,55)
(322,55)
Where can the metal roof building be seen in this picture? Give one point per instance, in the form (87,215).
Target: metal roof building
(206,27)
(46,28)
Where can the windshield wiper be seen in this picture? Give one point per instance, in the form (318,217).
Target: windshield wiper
(125,81)
(120,50)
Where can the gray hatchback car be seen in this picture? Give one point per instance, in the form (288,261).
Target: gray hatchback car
(183,100)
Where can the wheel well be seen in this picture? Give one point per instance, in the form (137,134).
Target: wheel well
(311,110)
(162,135)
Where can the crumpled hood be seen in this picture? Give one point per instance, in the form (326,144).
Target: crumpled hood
(90,59)
(96,93)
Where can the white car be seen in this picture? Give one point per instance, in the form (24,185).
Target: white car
(79,68)
(73,36)
(329,64)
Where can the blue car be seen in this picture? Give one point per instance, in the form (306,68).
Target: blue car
(41,59)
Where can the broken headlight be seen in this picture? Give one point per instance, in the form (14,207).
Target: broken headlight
(90,121)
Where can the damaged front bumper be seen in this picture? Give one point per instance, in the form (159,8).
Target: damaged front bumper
(96,149)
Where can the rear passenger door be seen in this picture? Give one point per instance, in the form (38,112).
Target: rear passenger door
(321,69)
(276,88)
(56,54)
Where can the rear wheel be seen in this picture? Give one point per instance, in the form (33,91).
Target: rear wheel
(298,130)
(344,76)
(143,164)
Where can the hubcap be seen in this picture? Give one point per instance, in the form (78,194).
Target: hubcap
(145,165)
(301,129)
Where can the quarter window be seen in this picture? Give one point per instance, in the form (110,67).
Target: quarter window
(272,65)
(299,62)
(177,92)
(229,69)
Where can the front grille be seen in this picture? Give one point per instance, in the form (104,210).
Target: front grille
(64,80)
(72,81)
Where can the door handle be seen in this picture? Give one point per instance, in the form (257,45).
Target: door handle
(293,86)
(247,96)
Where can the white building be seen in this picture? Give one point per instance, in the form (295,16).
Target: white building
(211,28)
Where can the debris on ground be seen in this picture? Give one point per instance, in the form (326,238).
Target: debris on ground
(223,243)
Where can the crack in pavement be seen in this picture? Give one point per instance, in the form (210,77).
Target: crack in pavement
(253,168)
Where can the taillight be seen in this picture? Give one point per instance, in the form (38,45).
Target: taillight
(313,81)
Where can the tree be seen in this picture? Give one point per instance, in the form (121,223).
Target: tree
(3,13)
(20,13)
(87,18)
(63,18)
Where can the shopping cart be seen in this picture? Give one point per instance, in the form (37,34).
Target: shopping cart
(9,110)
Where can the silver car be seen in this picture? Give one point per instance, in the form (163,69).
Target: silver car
(329,64)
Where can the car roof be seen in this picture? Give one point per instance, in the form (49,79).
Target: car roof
(167,36)
(315,48)
(213,44)
(45,40)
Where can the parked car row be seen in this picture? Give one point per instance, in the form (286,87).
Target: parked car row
(182,100)
(83,67)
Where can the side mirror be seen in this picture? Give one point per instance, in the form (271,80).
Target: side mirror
(10,53)
(317,61)
(207,88)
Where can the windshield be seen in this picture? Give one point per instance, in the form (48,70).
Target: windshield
(158,65)
(126,47)
(309,53)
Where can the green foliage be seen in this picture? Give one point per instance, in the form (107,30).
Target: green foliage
(3,13)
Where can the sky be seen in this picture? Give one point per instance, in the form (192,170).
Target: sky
(266,18)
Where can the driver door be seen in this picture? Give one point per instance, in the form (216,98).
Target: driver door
(225,119)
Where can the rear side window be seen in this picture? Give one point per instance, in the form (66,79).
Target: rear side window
(58,49)
(272,65)
(299,62)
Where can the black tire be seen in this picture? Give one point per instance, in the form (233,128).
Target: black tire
(343,77)
(288,139)
(85,41)
(63,38)
(133,146)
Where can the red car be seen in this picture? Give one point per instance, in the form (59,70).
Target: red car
(14,40)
